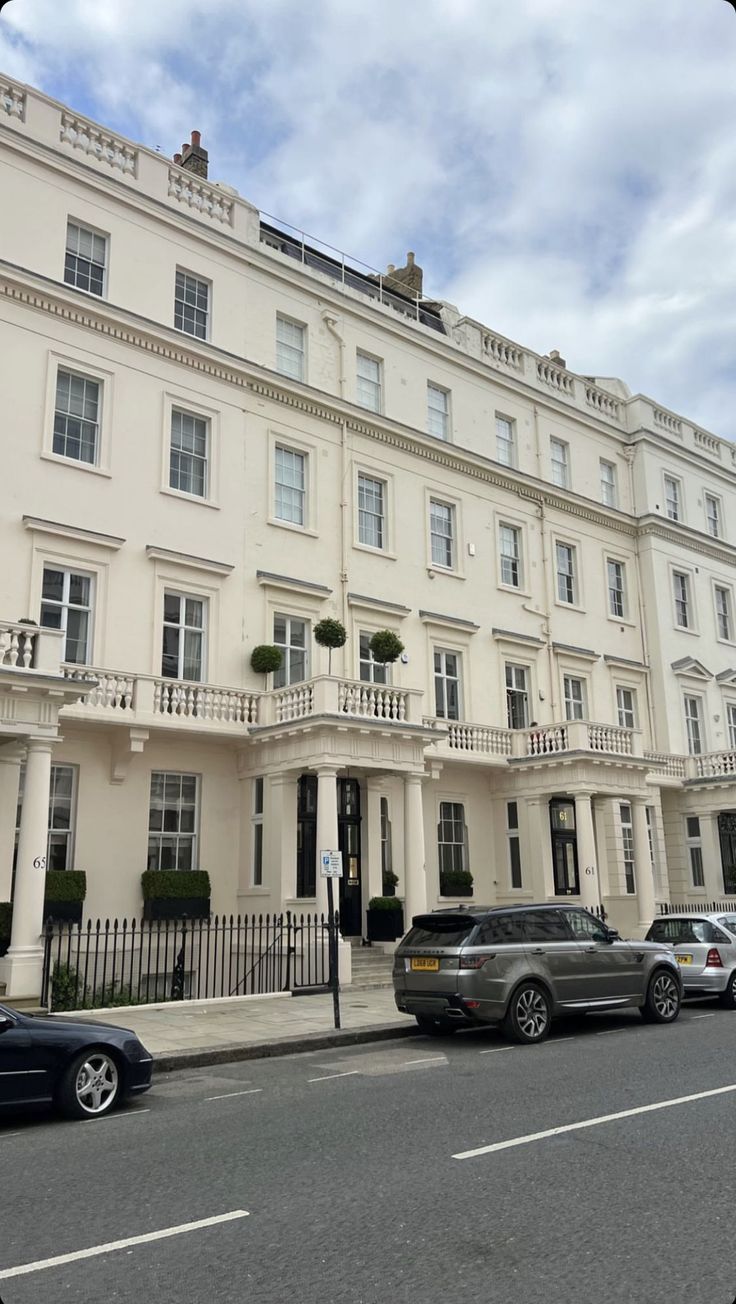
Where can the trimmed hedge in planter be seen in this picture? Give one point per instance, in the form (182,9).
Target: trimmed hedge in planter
(173,893)
(64,896)
(385,919)
(456,883)
(6,918)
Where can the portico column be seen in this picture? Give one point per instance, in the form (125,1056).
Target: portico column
(415,874)
(643,864)
(326,829)
(375,790)
(9,781)
(24,961)
(590,895)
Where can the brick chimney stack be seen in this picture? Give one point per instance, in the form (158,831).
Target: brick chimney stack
(193,157)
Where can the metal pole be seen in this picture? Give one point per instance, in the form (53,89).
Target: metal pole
(332,941)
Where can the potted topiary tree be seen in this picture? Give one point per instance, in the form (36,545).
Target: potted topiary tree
(385,919)
(174,893)
(6,919)
(266,659)
(386,646)
(456,883)
(389,882)
(64,896)
(330,633)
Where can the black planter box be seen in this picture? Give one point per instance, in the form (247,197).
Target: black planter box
(385,925)
(456,889)
(63,912)
(176,908)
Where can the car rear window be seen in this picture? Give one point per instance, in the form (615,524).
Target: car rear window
(546,926)
(681,932)
(453,933)
(500,930)
(729,922)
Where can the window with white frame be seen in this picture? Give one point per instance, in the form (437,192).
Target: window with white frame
(173,819)
(387,860)
(566,572)
(713,515)
(257,827)
(62,815)
(514,843)
(505,441)
(724,623)
(681,587)
(438,411)
(517,695)
(559,453)
(451,841)
(446,684)
(67,604)
(290,485)
(291,342)
(731,721)
(442,533)
(183,645)
(627,841)
(616,588)
(694,724)
(609,489)
(191,305)
(626,707)
(77,417)
(371,671)
(574,691)
(672,498)
(369,382)
(651,838)
(188,453)
(291,636)
(85,259)
(371,511)
(509,546)
(695,850)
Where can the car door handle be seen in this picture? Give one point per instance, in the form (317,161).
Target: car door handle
(590,950)
(537,950)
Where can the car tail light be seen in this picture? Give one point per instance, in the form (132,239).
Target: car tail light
(714,960)
(474,961)
(471,1005)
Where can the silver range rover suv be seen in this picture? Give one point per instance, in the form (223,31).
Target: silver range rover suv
(524,967)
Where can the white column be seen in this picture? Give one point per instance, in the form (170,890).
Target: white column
(9,779)
(24,962)
(280,838)
(587,861)
(373,877)
(415,874)
(712,862)
(538,852)
(643,864)
(326,829)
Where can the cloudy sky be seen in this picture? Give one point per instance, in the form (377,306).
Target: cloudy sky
(564,169)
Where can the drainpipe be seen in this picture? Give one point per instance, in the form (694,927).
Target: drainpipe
(547,627)
(630,454)
(332,326)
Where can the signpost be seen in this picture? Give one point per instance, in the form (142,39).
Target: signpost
(330,867)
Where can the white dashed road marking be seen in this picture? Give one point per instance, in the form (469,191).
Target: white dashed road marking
(431,1059)
(252,1091)
(327,1078)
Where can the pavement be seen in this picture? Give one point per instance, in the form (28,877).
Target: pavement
(190,1034)
(596,1168)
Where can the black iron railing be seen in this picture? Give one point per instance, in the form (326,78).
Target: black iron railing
(699,908)
(130,962)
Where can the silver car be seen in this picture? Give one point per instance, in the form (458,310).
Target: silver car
(523,967)
(705,949)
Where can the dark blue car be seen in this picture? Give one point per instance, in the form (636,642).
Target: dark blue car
(85,1069)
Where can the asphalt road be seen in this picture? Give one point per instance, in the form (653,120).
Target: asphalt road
(346,1163)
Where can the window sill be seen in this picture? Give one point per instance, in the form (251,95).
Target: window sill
(254,892)
(189,335)
(89,467)
(570,606)
(189,498)
(375,552)
(512,588)
(442,570)
(295,529)
(622,620)
(727,642)
(685,629)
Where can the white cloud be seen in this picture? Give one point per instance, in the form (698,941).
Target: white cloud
(564,169)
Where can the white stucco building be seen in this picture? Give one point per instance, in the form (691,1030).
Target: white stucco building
(217,432)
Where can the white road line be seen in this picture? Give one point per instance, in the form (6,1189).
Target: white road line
(430,1059)
(611,1032)
(24,1269)
(128,1113)
(5,1136)
(495,1050)
(351,1074)
(252,1091)
(592,1122)
(702,1016)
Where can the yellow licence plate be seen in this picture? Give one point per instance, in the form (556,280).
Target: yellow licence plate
(684,959)
(425,964)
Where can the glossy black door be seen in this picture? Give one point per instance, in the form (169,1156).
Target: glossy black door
(564,848)
(348,827)
(727,835)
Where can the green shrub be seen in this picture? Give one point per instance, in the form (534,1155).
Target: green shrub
(65,885)
(330,633)
(456,881)
(386,646)
(67,989)
(389,883)
(167,884)
(384,903)
(266,659)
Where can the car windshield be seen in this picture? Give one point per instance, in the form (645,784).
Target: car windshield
(681,932)
(452,933)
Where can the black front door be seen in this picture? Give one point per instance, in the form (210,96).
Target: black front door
(348,828)
(727,835)
(564,848)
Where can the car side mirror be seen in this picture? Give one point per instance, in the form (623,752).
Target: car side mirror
(606,935)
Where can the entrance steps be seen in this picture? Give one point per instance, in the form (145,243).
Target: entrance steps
(371,968)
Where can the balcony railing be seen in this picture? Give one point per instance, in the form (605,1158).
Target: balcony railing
(325,695)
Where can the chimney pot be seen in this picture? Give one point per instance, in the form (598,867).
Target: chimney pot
(185,148)
(391,268)
(410,259)
(196,139)
(177,158)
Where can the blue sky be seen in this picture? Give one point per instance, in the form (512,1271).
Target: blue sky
(564,169)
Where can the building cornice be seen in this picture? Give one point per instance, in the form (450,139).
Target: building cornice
(40,526)
(188,559)
(684,535)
